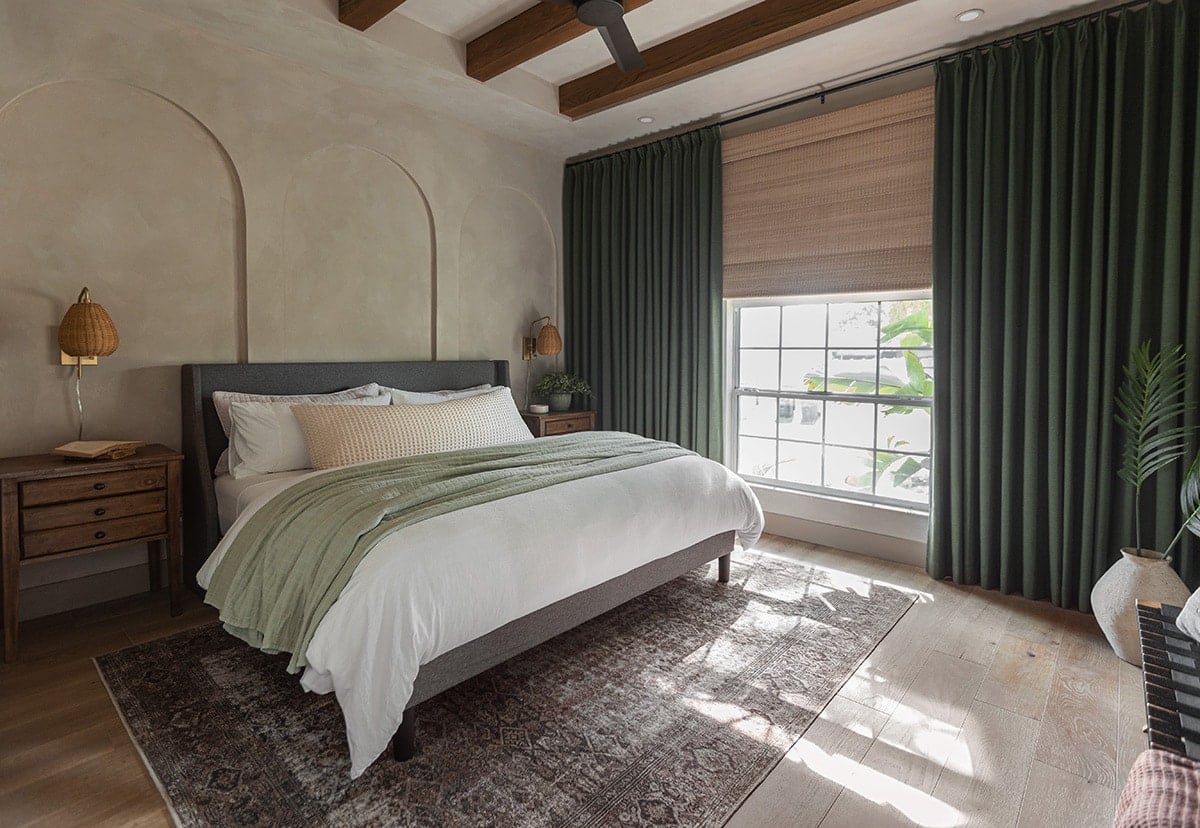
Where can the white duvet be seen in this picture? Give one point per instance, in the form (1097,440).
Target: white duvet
(436,585)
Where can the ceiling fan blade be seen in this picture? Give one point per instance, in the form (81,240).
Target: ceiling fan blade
(624,50)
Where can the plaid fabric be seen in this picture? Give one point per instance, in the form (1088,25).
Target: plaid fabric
(1163,791)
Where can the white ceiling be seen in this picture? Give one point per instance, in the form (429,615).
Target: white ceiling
(418,54)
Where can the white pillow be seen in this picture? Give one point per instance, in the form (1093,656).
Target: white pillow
(400,397)
(223,399)
(339,435)
(266,437)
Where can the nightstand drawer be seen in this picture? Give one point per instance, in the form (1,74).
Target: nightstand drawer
(566,426)
(53,541)
(88,486)
(92,511)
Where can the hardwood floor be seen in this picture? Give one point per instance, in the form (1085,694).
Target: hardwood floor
(976,709)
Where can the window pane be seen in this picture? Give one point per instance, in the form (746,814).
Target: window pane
(800,368)
(759,327)
(804,326)
(849,469)
(908,323)
(904,428)
(756,457)
(854,326)
(756,416)
(852,372)
(906,372)
(801,420)
(800,463)
(851,424)
(759,369)
(904,478)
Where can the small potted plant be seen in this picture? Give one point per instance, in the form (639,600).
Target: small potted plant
(558,389)
(1149,404)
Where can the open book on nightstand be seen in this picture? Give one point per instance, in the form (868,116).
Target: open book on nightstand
(99,449)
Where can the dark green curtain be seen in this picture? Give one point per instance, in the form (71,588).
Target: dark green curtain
(642,289)
(1066,230)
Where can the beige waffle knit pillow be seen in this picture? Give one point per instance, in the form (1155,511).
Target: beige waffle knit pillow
(342,435)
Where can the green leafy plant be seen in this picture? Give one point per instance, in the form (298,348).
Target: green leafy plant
(1149,403)
(1189,501)
(915,330)
(561,383)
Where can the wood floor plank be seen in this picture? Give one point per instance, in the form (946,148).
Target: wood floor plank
(881,681)
(802,788)
(1038,621)
(1131,718)
(1064,800)
(975,630)
(986,773)
(1019,677)
(1079,726)
(921,732)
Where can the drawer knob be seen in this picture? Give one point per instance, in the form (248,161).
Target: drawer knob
(99,512)
(100,535)
(99,487)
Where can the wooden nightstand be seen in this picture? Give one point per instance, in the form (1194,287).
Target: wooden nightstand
(559,422)
(52,507)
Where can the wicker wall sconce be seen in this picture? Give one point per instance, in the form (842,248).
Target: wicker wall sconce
(85,333)
(548,342)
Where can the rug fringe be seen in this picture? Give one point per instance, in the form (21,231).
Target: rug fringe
(162,791)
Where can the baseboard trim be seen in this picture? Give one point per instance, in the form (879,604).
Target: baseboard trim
(871,544)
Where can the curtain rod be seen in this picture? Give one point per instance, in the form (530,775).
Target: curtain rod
(846,87)
(925,64)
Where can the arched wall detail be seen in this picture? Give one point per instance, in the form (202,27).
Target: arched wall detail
(358,238)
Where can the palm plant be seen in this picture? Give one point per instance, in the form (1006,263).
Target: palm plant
(1149,403)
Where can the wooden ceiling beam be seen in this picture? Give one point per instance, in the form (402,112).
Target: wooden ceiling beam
(363,14)
(533,32)
(751,32)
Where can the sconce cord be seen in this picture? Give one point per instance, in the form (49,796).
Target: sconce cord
(79,392)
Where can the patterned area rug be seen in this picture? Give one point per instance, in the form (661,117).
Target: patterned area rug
(668,710)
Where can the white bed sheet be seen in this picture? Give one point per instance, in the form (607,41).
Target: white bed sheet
(233,496)
(436,585)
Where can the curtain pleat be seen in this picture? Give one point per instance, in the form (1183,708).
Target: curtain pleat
(1066,231)
(642,287)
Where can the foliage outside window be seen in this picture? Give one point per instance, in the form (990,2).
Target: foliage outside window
(836,397)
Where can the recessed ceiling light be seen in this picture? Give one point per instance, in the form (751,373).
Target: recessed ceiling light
(646,119)
(970,15)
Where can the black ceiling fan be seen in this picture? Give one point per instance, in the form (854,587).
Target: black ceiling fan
(608,16)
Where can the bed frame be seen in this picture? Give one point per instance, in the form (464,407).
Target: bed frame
(204,440)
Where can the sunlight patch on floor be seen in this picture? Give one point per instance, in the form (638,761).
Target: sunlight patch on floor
(915,805)
(844,580)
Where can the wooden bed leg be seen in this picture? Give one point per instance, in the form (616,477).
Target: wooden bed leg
(404,743)
(723,569)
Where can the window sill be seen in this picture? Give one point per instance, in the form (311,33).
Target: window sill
(879,530)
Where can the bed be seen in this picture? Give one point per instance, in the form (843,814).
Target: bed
(363,650)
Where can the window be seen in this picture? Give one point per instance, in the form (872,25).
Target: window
(835,397)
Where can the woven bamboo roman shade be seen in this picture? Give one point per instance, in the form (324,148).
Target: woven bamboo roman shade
(839,203)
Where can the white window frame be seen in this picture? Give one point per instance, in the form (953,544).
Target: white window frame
(734,392)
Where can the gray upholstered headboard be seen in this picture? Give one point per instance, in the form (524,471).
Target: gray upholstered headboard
(204,439)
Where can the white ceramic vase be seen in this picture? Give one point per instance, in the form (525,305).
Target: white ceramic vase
(1148,577)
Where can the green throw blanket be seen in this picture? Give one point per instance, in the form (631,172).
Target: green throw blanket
(291,559)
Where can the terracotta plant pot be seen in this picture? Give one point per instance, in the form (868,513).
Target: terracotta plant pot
(560,402)
(1148,577)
